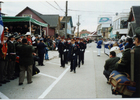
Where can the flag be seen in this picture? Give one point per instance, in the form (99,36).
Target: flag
(1,29)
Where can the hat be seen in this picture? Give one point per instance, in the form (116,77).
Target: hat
(17,38)
(36,35)
(6,28)
(12,36)
(22,35)
(28,33)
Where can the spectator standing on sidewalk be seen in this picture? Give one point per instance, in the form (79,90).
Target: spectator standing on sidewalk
(41,51)
(25,61)
(99,46)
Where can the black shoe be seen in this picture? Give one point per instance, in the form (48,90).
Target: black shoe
(20,84)
(30,82)
(7,80)
(3,82)
(108,82)
(74,71)
(12,78)
(71,70)
(42,65)
(63,66)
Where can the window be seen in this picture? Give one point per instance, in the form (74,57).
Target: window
(123,23)
(27,15)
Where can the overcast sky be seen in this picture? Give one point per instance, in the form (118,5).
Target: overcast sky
(89,11)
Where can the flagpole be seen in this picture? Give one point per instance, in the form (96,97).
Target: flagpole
(0,6)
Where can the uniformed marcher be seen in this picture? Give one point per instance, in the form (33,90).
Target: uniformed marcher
(26,53)
(62,50)
(123,65)
(67,50)
(77,42)
(74,51)
(82,51)
(41,51)
(11,57)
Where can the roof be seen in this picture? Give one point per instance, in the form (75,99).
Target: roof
(22,19)
(135,12)
(85,31)
(69,18)
(52,20)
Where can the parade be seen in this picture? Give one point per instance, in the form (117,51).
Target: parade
(48,54)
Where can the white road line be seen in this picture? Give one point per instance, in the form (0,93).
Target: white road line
(2,96)
(48,75)
(52,85)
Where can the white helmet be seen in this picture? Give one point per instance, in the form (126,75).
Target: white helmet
(28,33)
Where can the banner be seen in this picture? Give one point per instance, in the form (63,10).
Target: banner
(104,20)
(1,29)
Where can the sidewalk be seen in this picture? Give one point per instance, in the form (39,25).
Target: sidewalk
(53,54)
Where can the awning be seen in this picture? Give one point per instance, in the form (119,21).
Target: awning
(23,19)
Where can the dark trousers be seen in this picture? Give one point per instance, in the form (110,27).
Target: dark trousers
(73,63)
(41,58)
(17,69)
(11,69)
(62,56)
(2,64)
(82,57)
(107,74)
(5,70)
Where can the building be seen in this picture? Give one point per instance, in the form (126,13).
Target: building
(52,20)
(104,22)
(133,20)
(84,33)
(120,24)
(70,28)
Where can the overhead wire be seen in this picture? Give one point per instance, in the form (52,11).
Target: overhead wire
(59,6)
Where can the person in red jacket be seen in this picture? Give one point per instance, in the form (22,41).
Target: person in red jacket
(29,40)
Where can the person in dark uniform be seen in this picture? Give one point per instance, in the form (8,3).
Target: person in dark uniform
(67,50)
(74,51)
(41,51)
(12,57)
(26,53)
(109,64)
(82,50)
(62,50)
(17,70)
(123,65)
(78,53)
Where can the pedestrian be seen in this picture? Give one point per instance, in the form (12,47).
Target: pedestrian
(26,53)
(109,64)
(41,51)
(62,50)
(123,65)
(74,51)
(99,46)
(46,53)
(12,57)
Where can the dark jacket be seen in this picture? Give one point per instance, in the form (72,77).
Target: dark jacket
(11,49)
(25,54)
(41,48)
(109,64)
(61,47)
(123,65)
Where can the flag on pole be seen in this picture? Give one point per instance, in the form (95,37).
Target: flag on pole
(1,29)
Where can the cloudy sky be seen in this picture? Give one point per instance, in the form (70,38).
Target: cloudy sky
(89,11)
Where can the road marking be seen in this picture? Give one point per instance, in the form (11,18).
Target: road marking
(2,96)
(52,85)
(87,51)
(48,75)
(101,51)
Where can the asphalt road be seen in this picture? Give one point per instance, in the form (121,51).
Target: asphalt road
(55,82)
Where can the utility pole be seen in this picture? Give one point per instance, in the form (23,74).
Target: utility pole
(0,6)
(78,24)
(66,19)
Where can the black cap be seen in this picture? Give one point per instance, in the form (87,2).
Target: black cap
(17,37)
(24,40)
(11,36)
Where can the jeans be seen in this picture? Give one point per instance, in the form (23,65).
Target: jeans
(46,56)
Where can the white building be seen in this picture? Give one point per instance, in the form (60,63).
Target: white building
(120,24)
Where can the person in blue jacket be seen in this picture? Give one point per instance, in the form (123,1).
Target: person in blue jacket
(99,46)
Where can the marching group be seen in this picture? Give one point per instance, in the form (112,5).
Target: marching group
(19,52)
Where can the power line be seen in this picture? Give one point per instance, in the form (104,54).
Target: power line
(51,5)
(58,6)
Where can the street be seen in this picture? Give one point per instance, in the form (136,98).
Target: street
(55,82)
